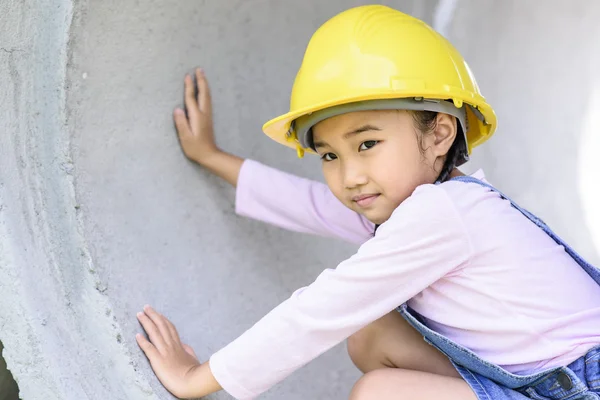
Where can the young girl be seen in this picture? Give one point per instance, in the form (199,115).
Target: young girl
(455,292)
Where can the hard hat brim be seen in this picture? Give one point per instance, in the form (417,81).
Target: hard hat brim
(278,129)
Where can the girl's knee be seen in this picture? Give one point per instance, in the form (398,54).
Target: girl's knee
(360,345)
(394,384)
(364,347)
(370,385)
(356,345)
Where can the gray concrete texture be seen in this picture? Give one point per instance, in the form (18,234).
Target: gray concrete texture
(100,213)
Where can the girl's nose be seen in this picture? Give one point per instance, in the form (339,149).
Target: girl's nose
(354,175)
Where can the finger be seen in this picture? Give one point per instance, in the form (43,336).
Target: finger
(173,331)
(161,322)
(190,351)
(191,104)
(147,347)
(181,123)
(204,98)
(152,330)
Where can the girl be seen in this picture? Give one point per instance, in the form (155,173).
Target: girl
(505,308)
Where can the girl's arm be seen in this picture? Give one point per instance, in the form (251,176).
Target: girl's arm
(297,204)
(423,241)
(264,193)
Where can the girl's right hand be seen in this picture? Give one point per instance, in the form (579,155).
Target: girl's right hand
(196,134)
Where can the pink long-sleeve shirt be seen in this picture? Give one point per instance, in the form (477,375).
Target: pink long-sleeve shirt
(477,270)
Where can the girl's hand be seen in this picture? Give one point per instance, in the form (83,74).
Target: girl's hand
(173,363)
(195,131)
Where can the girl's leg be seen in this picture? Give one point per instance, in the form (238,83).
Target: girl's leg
(390,342)
(401,384)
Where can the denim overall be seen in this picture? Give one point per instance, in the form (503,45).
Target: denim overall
(578,380)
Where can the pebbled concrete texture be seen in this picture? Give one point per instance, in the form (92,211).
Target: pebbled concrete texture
(59,341)
(100,213)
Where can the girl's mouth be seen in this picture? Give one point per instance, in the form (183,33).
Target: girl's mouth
(365,200)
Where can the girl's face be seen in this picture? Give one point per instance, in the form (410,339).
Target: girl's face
(374,160)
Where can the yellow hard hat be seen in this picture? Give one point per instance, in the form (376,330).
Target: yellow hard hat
(374,57)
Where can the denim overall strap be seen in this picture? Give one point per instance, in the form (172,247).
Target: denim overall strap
(468,362)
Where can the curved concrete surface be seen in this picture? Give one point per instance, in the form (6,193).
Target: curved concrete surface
(100,213)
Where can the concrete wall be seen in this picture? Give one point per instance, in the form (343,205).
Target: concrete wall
(100,213)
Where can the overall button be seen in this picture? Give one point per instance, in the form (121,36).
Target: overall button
(564,381)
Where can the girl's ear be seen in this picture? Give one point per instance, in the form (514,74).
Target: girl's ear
(444,134)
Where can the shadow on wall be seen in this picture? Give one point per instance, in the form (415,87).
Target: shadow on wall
(8,387)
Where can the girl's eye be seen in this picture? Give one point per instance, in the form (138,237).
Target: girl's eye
(328,157)
(367,145)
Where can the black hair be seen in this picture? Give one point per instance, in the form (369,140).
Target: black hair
(425,122)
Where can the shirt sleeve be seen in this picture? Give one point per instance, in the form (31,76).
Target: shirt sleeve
(423,240)
(298,204)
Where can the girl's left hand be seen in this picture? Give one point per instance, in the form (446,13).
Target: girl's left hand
(172,362)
